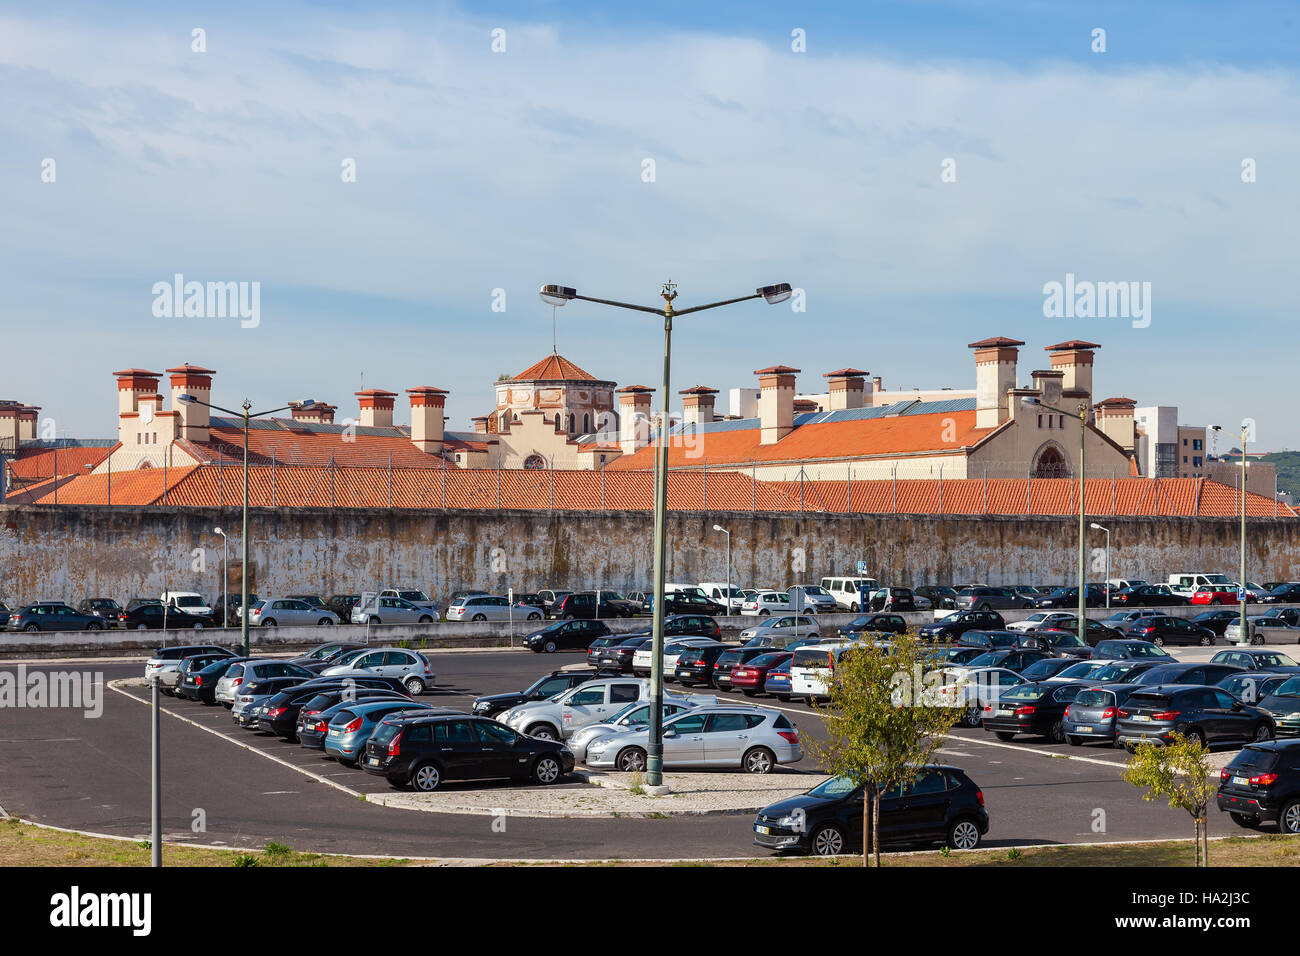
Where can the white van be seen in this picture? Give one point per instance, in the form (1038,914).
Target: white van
(719,592)
(811,668)
(191,602)
(847,592)
(1119,584)
(1187,583)
(685,589)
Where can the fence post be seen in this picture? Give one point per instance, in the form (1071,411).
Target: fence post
(390,480)
(1029,477)
(895,487)
(56,475)
(801,489)
(275,496)
(331,479)
(444,484)
(553,483)
(498,484)
(1113,499)
(753,484)
(110,479)
(704,488)
(602,486)
(941,488)
(56,483)
(986,489)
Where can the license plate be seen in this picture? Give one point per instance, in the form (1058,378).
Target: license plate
(1004,712)
(1241,781)
(333,733)
(372,761)
(1082,729)
(763,830)
(1142,718)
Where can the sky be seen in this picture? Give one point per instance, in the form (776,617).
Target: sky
(919,170)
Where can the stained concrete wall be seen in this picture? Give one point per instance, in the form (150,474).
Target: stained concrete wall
(67,553)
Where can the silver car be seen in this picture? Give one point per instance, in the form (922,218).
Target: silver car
(243,672)
(1264,629)
(632,717)
(643,658)
(287,612)
(776,630)
(588,703)
(410,667)
(753,739)
(389,609)
(490,607)
(169,659)
(811,599)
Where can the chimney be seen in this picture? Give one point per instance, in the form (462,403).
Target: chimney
(194,418)
(776,402)
(322,413)
(846,388)
(132,384)
(1115,421)
(995,372)
(376,407)
(1048,384)
(697,405)
(427,405)
(1074,358)
(634,417)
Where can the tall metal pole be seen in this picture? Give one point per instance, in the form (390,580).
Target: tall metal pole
(243,545)
(1245,635)
(655,750)
(728,573)
(1083,443)
(155,776)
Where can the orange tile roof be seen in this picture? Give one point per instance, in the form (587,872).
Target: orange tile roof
(886,435)
(554,368)
(298,443)
(997,342)
(33,464)
(1071,346)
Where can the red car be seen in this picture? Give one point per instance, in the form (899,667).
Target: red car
(750,676)
(1215,595)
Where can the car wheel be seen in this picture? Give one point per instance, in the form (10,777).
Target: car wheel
(425,619)
(541,732)
(986,606)
(1004,735)
(1288,821)
(1057,732)
(1262,733)
(1206,640)
(1073,741)
(32,627)
(375,620)
(854,608)
(963,835)
(1197,735)
(426,778)
(828,840)
(550,647)
(759,760)
(269,622)
(1158,641)
(324,622)
(534,617)
(631,760)
(547,769)
(142,627)
(479,617)
(1257,639)
(973,717)
(1244,820)
(414,686)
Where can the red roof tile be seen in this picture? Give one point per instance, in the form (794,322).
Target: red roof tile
(846,373)
(997,342)
(554,368)
(776,370)
(1071,345)
(34,464)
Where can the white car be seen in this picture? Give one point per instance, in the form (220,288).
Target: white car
(190,602)
(488,607)
(643,657)
(810,670)
(410,667)
(767,602)
(1039,619)
(721,594)
(971,689)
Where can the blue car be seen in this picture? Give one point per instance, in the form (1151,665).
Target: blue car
(352,725)
(778,681)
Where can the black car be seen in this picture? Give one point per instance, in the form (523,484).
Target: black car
(989,640)
(280,716)
(731,659)
(895,599)
(888,623)
(1127,650)
(944,656)
(1094,632)
(1036,709)
(231,602)
(1094,596)
(340,604)
(266,687)
(1092,715)
(939,597)
(157,616)
(1208,714)
(1251,687)
(583,604)
(1169,630)
(549,685)
(941,805)
(53,616)
(1283,703)
(955,625)
(677,626)
(202,685)
(1047,667)
(309,728)
(1286,593)
(106,608)
(423,751)
(1262,783)
(695,665)
(194,664)
(678,602)
(1216,620)
(616,658)
(1185,673)
(1148,595)
(565,636)
(1014,659)
(1061,643)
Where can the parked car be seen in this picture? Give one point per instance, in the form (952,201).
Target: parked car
(939,597)
(1148,595)
(989,640)
(351,726)
(672,652)
(280,715)
(341,605)
(1215,594)
(565,636)
(1091,717)
(1262,629)
(1015,659)
(230,603)
(326,653)
(1131,649)
(284,612)
(1122,619)
(169,658)
(750,677)
(1047,668)
(1036,709)
(695,664)
(315,712)
(251,671)
(767,602)
(777,682)
(103,607)
(1248,658)
(313,599)
(1061,643)
(52,616)
(940,805)
(201,685)
(1288,593)
(1183,672)
(588,703)
(1094,596)
(550,598)
(893,599)
(1169,630)
(490,607)
(253,695)
(546,686)
(847,591)
(1217,621)
(1208,714)
(423,750)
(1251,687)
(1283,704)
(811,598)
(410,667)
(156,617)
(1262,783)
(778,631)
(680,632)
(584,604)
(753,739)
(955,625)
(390,609)
(634,716)
(985,598)
(170,678)
(872,623)
(189,601)
(1039,619)
(417,597)
(681,602)
(616,658)
(731,659)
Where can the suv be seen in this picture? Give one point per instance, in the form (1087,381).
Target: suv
(893,599)
(390,609)
(1094,595)
(422,750)
(189,601)
(847,592)
(588,703)
(989,598)
(565,636)
(556,682)
(582,604)
(1208,714)
(955,625)
(810,598)
(106,608)
(53,616)
(1263,783)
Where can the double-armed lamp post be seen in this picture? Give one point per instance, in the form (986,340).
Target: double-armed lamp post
(1082,413)
(243,545)
(558,295)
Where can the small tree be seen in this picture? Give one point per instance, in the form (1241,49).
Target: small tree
(1181,772)
(880,726)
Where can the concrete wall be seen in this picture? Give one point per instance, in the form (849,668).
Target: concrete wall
(67,553)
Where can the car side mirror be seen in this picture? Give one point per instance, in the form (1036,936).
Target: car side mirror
(1236,705)
(669,734)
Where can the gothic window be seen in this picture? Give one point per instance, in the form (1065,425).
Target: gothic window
(1051,464)
(534,462)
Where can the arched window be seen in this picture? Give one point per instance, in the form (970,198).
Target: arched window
(586,424)
(573,425)
(534,462)
(1051,464)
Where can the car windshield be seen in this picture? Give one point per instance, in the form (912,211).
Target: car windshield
(1081,670)
(611,596)
(1273,659)
(189,601)
(348,657)
(1288,688)
(766,660)
(1040,669)
(412,595)
(1105,672)
(1254,759)
(834,787)
(1023,692)
(991,659)
(631,714)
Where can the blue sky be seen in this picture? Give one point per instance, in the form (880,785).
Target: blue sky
(479,171)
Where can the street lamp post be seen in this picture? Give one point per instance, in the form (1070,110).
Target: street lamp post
(225,577)
(718,527)
(558,295)
(1097,527)
(1082,412)
(243,545)
(1241,593)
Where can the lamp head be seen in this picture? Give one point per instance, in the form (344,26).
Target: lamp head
(188,399)
(556,294)
(775,294)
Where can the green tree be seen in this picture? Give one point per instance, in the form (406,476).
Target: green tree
(880,726)
(1181,772)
